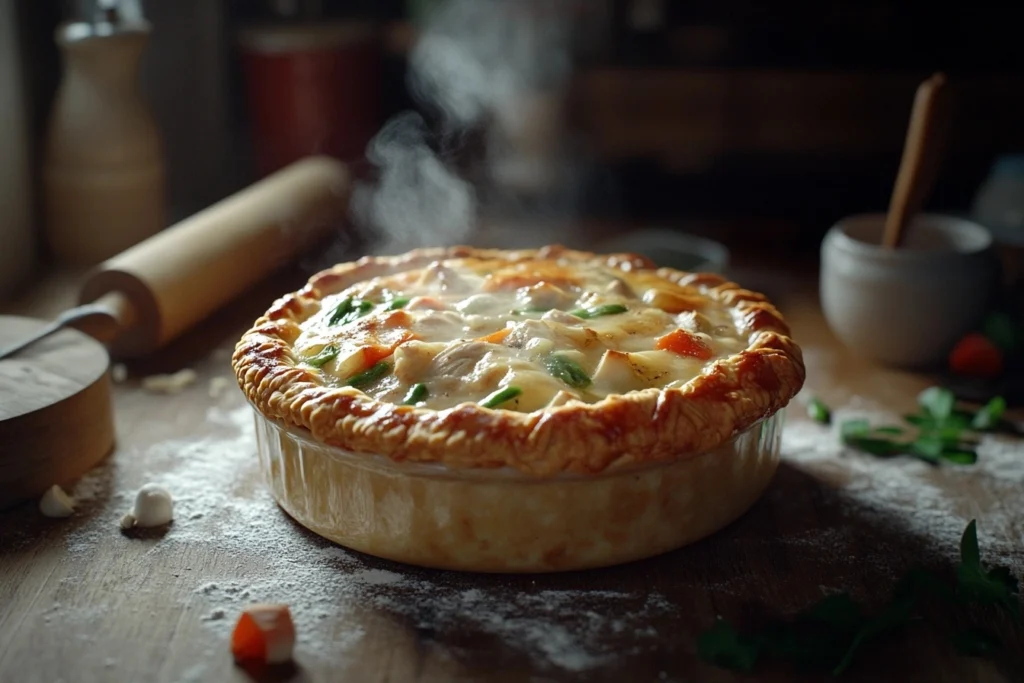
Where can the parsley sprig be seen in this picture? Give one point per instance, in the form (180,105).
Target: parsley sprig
(938,432)
(349,310)
(831,633)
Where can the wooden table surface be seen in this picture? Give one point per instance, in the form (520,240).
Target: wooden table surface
(80,601)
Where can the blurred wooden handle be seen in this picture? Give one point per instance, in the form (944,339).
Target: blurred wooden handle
(922,157)
(166,284)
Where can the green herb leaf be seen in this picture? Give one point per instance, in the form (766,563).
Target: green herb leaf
(832,632)
(976,642)
(838,611)
(501,396)
(999,329)
(895,615)
(1004,576)
(326,355)
(937,402)
(997,586)
(722,646)
(889,429)
(854,428)
(398,302)
(970,553)
(340,311)
(417,393)
(955,423)
(874,446)
(370,376)
(928,447)
(819,412)
(568,371)
(349,310)
(959,456)
(598,311)
(990,415)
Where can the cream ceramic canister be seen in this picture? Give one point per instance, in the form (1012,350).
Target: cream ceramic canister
(909,306)
(103,168)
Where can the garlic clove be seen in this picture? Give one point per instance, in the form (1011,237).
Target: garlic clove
(56,503)
(153,506)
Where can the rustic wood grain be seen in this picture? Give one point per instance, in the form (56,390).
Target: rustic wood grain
(60,380)
(80,601)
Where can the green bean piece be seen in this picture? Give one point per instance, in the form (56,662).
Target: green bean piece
(417,393)
(501,396)
(349,310)
(326,355)
(568,371)
(397,303)
(598,311)
(370,376)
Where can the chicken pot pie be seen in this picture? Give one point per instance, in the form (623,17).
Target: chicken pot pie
(533,410)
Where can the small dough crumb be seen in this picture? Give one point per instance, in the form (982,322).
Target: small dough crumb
(169,384)
(119,373)
(218,385)
(153,507)
(56,503)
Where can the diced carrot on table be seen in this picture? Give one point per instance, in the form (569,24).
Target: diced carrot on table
(264,633)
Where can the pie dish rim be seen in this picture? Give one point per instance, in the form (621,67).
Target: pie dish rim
(621,430)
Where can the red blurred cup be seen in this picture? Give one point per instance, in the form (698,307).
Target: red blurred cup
(311,89)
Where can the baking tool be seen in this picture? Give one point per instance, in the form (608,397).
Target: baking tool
(922,156)
(906,307)
(150,294)
(103,168)
(137,302)
(55,417)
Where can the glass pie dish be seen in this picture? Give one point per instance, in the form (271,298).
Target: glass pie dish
(501,520)
(517,411)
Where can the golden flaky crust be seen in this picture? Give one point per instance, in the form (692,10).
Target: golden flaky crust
(650,425)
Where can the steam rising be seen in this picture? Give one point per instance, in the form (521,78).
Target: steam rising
(479,57)
(418,201)
(493,67)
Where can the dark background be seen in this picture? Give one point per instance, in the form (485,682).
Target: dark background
(756,122)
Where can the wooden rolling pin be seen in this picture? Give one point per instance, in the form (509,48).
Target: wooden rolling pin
(137,302)
(161,287)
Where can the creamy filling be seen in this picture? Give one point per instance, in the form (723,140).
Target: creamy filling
(517,337)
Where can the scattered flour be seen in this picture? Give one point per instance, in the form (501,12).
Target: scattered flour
(338,597)
(223,507)
(914,492)
(173,383)
(219,385)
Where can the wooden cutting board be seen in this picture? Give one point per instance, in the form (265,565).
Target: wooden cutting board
(56,420)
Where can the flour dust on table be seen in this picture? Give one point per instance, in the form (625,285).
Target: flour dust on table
(912,493)
(221,505)
(230,546)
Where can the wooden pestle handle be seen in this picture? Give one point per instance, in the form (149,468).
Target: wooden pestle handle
(922,156)
(171,281)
